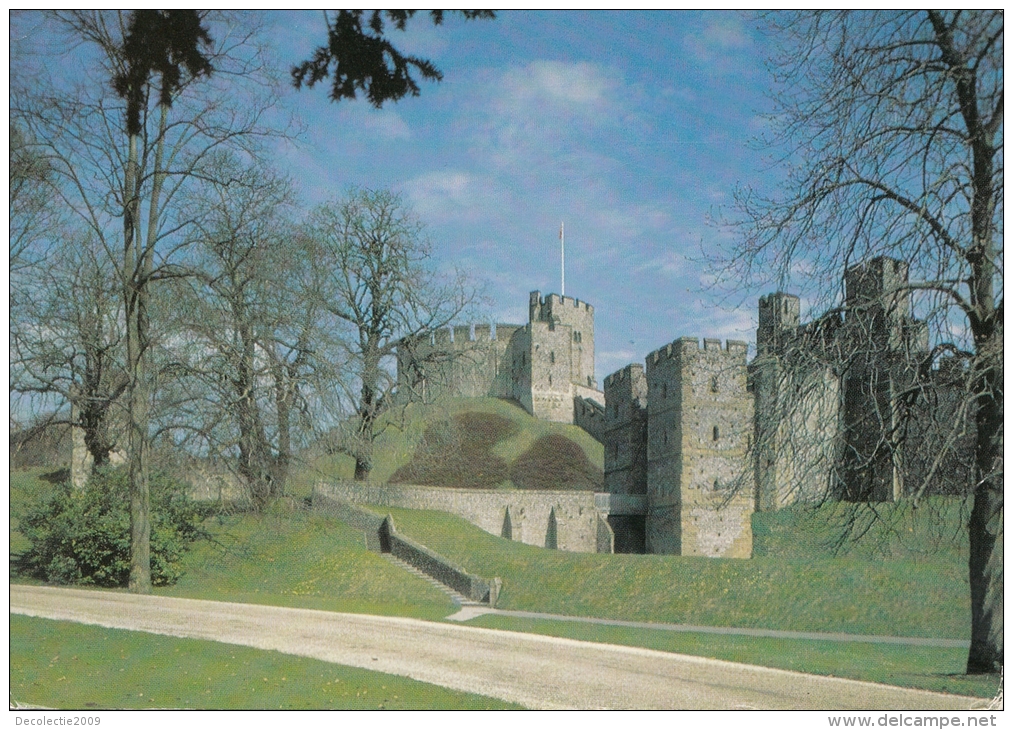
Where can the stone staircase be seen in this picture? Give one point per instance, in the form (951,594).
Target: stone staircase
(454,596)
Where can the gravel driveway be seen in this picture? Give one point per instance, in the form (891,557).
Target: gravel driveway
(536,671)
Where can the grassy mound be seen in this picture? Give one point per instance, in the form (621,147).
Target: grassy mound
(555,462)
(465,442)
(458,453)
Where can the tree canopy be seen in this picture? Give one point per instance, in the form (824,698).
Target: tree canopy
(360,57)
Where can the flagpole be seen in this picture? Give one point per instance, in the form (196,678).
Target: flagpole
(562,262)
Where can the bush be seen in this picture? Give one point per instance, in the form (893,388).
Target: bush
(83,536)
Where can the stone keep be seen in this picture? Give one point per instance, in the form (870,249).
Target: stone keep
(699,426)
(546,365)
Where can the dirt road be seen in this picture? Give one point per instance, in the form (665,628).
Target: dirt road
(535,671)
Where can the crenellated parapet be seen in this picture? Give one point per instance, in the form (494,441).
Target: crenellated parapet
(679,432)
(544,365)
(463,361)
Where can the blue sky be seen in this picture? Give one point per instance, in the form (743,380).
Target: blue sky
(630,127)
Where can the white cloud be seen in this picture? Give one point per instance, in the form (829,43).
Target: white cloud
(668,263)
(554,87)
(386,124)
(453,195)
(719,43)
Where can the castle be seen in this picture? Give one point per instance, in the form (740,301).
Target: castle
(700,438)
(544,365)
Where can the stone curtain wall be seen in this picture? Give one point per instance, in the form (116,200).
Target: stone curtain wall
(571,515)
(589,414)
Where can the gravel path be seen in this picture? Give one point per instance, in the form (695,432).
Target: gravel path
(536,671)
(471,611)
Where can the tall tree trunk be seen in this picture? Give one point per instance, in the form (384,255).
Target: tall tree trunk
(284,398)
(137,347)
(367,411)
(985,526)
(140,527)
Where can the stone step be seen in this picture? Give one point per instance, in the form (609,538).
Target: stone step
(458,598)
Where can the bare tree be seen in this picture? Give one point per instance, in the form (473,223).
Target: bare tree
(124,137)
(33,220)
(892,126)
(67,341)
(378,285)
(247,323)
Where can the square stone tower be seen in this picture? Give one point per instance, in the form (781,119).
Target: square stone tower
(554,360)
(700,426)
(779,319)
(885,344)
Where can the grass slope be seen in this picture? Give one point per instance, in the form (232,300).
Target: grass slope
(934,532)
(73,666)
(305,560)
(472,442)
(932,668)
(898,597)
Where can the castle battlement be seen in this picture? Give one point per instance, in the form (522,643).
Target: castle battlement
(691,346)
(543,364)
(550,302)
(466,333)
(626,373)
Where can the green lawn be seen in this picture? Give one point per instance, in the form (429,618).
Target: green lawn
(931,668)
(906,578)
(302,559)
(66,665)
(852,595)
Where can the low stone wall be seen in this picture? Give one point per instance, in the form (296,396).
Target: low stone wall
(564,520)
(432,564)
(382,537)
(376,534)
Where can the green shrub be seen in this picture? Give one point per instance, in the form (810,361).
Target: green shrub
(83,536)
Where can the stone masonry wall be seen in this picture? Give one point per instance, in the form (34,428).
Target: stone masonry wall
(461,361)
(797,432)
(700,425)
(565,520)
(579,317)
(550,356)
(589,414)
(625,446)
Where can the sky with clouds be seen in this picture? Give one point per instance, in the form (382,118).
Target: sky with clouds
(632,128)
